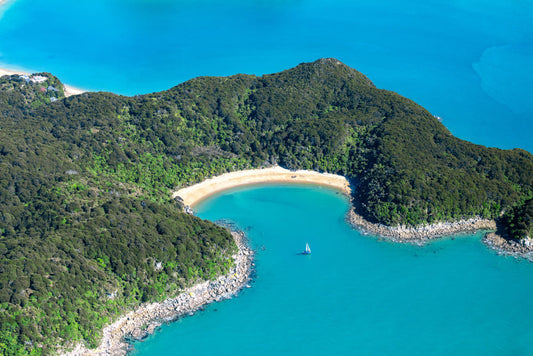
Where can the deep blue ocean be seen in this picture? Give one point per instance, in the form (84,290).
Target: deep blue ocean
(467,61)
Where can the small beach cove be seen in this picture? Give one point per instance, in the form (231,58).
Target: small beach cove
(353,292)
(194,194)
(145,320)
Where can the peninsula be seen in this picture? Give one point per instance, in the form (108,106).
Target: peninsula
(90,229)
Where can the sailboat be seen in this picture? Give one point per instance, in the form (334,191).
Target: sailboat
(307,250)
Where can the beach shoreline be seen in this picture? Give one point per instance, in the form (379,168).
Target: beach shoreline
(69,90)
(418,235)
(195,193)
(144,320)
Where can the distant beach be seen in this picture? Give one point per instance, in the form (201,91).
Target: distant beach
(195,193)
(69,90)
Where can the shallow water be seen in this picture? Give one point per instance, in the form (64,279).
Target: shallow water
(468,61)
(355,294)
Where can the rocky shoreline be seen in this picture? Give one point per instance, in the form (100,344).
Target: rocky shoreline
(509,247)
(143,321)
(419,235)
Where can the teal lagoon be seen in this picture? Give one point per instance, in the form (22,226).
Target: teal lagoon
(467,61)
(356,294)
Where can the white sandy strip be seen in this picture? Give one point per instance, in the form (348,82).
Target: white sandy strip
(195,193)
(4,71)
(69,90)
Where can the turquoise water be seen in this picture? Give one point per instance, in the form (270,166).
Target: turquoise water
(355,294)
(468,61)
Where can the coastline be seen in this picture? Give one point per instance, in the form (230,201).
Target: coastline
(69,90)
(401,234)
(144,320)
(421,234)
(508,247)
(197,192)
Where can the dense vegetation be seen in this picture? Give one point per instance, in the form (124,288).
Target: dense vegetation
(87,228)
(519,220)
(77,249)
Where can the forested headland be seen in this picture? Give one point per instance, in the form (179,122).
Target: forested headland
(87,226)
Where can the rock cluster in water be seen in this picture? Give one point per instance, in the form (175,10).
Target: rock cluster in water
(143,321)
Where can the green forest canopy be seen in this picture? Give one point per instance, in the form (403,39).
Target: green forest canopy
(87,226)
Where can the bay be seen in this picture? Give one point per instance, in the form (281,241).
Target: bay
(355,294)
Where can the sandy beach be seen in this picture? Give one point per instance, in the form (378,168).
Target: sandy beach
(195,193)
(69,90)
